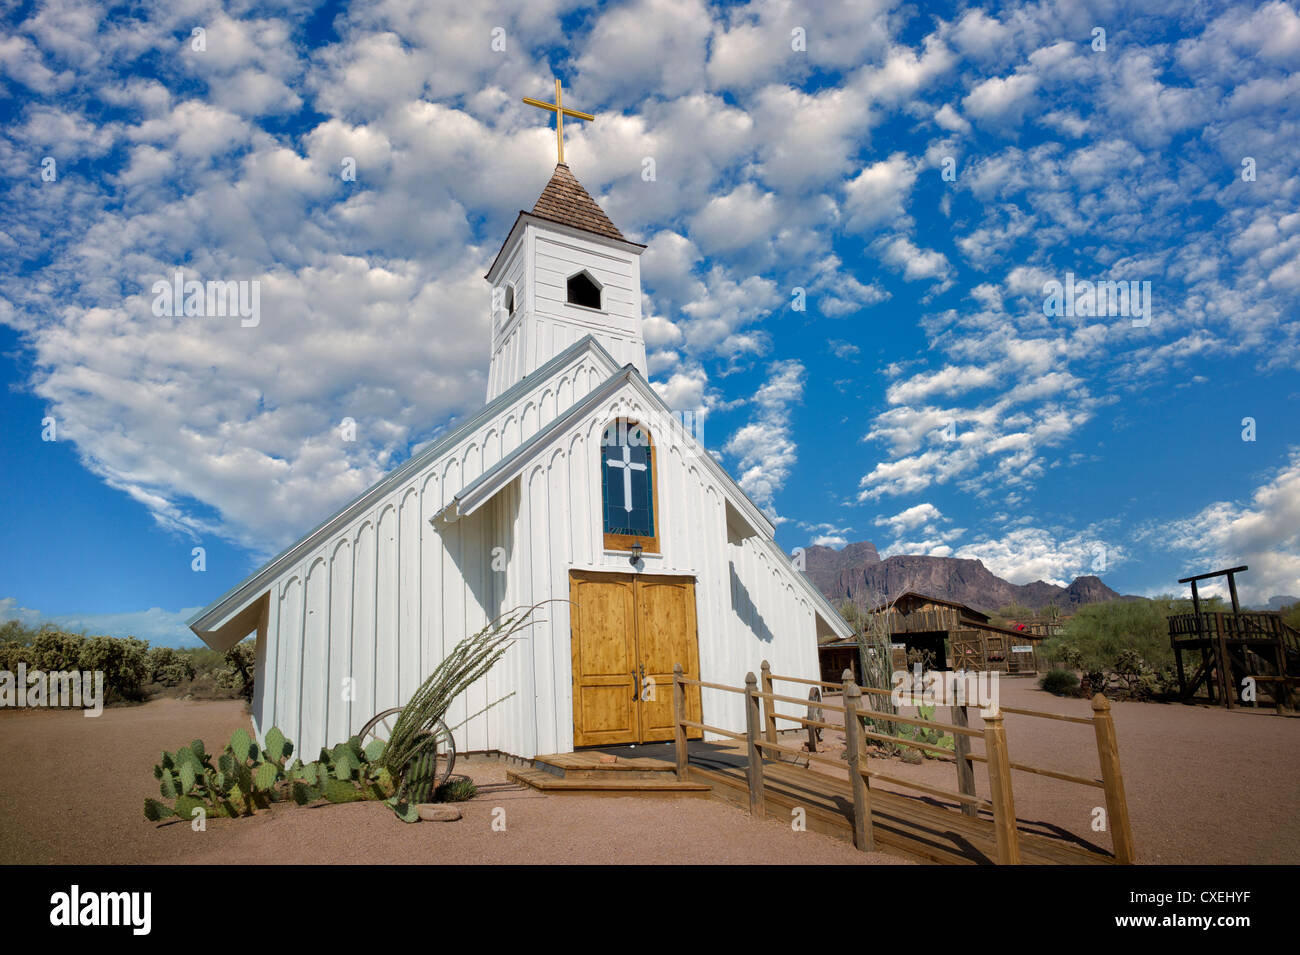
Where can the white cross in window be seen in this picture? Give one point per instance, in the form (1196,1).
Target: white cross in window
(628,466)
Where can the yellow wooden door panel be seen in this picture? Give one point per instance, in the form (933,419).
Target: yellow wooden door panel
(604,658)
(627,630)
(666,636)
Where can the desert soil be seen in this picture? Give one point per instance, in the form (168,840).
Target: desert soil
(1204,786)
(72,791)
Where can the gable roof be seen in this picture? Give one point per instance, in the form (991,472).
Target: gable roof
(565,201)
(237,600)
(253,586)
(926,598)
(483,488)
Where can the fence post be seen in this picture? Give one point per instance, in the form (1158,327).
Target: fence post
(864,836)
(1121,834)
(756,802)
(965,768)
(1282,693)
(1004,805)
(769,706)
(679,716)
(815,712)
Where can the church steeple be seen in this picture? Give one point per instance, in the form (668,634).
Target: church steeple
(565,201)
(564,271)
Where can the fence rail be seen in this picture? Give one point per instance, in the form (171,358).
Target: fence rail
(760,736)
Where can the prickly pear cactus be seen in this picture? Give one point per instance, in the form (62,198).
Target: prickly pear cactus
(246,779)
(241,745)
(277,747)
(265,775)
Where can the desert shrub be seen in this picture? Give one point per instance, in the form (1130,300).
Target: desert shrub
(1093,681)
(924,734)
(170,667)
(1100,632)
(236,674)
(129,665)
(1071,657)
(204,687)
(204,659)
(1131,675)
(459,789)
(124,662)
(1060,682)
(53,649)
(1138,680)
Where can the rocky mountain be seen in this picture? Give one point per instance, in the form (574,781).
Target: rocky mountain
(858,574)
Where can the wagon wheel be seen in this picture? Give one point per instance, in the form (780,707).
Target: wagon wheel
(381,725)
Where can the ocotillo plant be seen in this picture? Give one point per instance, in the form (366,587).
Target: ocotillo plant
(411,753)
(876,658)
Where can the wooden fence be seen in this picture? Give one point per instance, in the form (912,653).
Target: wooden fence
(760,737)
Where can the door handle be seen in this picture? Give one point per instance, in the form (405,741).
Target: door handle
(636,687)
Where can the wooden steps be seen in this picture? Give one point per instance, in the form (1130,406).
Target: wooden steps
(586,774)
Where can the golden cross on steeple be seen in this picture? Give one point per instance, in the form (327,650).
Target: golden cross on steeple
(560,111)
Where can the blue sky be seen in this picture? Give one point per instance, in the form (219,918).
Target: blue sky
(921,399)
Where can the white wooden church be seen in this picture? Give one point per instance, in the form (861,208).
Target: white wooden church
(575,481)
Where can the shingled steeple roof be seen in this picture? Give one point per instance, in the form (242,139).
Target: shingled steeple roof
(565,201)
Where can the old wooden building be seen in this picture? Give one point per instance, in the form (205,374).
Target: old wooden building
(950,635)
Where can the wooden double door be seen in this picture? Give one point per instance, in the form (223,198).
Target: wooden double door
(629,630)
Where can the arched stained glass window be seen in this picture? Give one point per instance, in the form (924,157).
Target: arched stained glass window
(627,481)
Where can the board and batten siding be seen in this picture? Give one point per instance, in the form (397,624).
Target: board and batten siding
(359,623)
(559,530)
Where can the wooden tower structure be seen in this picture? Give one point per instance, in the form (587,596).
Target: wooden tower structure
(1234,648)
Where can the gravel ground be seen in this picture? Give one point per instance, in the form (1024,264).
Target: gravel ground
(1204,786)
(72,791)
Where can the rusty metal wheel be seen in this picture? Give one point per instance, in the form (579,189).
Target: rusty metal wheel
(380,727)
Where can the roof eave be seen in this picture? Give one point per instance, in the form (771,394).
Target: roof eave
(522,220)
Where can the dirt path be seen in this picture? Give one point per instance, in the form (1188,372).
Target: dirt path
(72,788)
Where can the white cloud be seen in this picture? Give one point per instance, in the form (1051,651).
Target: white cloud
(1001,98)
(1263,533)
(1027,554)
(949,119)
(715,320)
(878,195)
(764,448)
(159,627)
(684,389)
(645,45)
(913,517)
(745,216)
(915,263)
